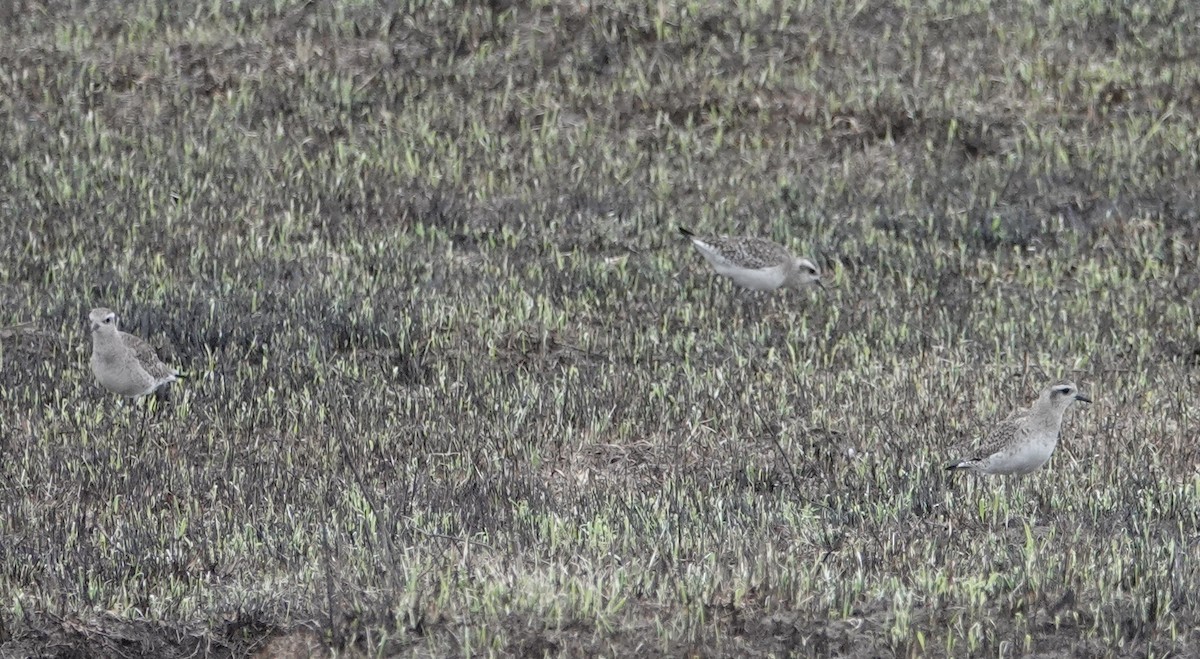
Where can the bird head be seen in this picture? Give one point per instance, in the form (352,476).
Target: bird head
(102,318)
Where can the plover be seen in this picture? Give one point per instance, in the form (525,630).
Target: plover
(1024,441)
(755,263)
(123,363)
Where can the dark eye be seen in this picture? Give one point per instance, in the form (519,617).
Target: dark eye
(812,270)
(1065,391)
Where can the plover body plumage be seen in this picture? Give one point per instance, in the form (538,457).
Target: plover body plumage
(755,263)
(1026,439)
(121,362)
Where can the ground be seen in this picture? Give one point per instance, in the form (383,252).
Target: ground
(457,386)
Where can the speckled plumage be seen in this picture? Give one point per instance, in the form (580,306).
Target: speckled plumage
(1026,439)
(123,363)
(755,263)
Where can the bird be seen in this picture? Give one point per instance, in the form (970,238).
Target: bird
(755,263)
(1025,440)
(121,362)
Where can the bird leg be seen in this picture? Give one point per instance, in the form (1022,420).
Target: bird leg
(142,427)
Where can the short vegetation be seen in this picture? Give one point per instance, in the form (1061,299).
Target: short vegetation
(458,387)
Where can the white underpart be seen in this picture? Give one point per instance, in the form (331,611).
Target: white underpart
(764,279)
(1026,458)
(758,279)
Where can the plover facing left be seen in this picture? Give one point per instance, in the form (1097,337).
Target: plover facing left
(755,263)
(123,363)
(1026,439)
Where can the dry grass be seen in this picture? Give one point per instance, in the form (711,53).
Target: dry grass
(458,387)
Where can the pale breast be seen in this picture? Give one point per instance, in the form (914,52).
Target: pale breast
(121,375)
(762,279)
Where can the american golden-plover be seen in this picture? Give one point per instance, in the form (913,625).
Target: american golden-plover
(1024,441)
(755,263)
(123,363)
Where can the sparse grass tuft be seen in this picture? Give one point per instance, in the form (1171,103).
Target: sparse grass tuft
(458,387)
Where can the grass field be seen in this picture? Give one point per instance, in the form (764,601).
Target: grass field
(459,388)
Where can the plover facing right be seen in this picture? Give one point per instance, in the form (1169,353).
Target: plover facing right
(1026,439)
(755,263)
(123,363)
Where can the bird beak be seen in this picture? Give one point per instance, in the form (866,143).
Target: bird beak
(1081,397)
(95,326)
(822,285)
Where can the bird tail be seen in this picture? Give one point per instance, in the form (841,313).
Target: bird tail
(686,231)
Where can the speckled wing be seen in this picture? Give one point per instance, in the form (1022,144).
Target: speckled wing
(147,358)
(1004,433)
(750,253)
